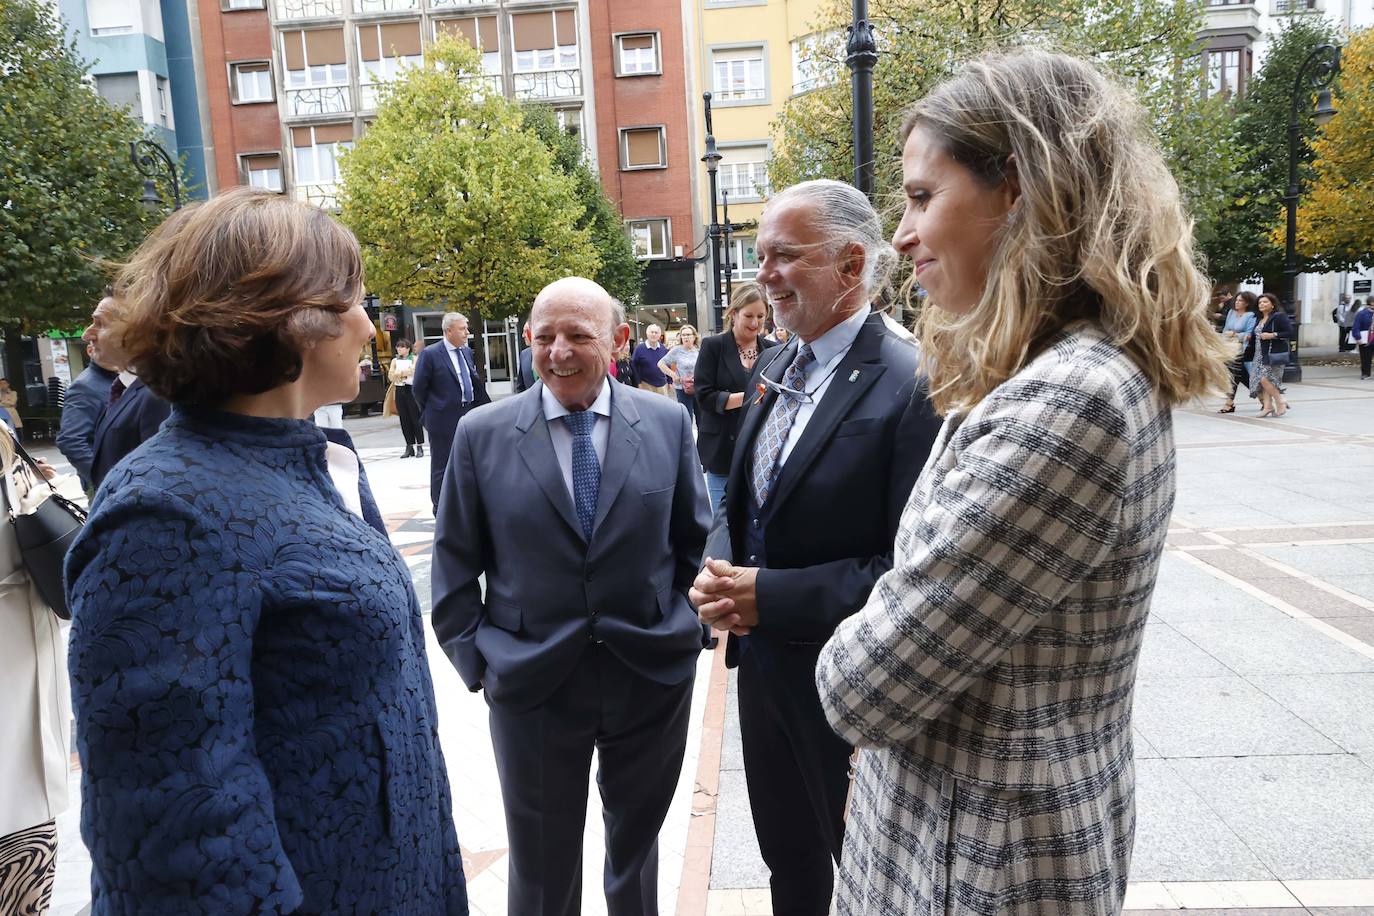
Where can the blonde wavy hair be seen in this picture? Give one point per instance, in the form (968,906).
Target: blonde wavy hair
(1098,233)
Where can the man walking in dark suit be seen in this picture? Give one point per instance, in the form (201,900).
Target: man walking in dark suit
(824,463)
(524,364)
(130,414)
(446,386)
(85,399)
(582,503)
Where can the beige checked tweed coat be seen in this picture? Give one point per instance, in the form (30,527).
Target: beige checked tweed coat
(989,679)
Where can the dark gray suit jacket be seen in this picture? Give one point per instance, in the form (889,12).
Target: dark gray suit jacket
(124,426)
(507,514)
(86,398)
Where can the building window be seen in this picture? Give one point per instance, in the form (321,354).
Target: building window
(1282,7)
(744,262)
(637,55)
(385,49)
(262,171)
(110,17)
(230,5)
(121,90)
(739,75)
(651,238)
(479,32)
(1228,71)
(811,58)
(316,161)
(164,103)
(251,82)
(544,41)
(107,31)
(743,173)
(643,148)
(316,72)
(570,121)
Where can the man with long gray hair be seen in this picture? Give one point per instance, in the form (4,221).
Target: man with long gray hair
(826,457)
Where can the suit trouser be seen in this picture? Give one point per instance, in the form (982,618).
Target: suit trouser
(638,728)
(440,444)
(797,771)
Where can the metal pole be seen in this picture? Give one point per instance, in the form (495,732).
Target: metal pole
(1319,79)
(712,160)
(151,162)
(862,56)
(729,261)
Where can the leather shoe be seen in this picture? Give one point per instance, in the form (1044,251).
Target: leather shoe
(419,451)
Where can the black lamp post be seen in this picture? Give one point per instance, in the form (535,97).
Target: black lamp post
(370,306)
(1317,72)
(726,228)
(862,56)
(712,160)
(152,161)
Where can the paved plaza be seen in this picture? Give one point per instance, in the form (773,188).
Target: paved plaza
(1254,710)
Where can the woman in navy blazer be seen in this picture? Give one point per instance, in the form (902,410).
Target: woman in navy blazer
(255,715)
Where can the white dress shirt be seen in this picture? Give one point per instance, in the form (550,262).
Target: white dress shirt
(829,348)
(562,436)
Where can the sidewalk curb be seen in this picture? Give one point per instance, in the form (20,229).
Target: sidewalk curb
(701,832)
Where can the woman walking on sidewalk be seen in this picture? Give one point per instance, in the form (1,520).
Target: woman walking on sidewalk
(1273,332)
(1240,323)
(254,710)
(401,372)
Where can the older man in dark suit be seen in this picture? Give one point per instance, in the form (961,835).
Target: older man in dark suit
(824,462)
(582,503)
(131,413)
(446,386)
(86,398)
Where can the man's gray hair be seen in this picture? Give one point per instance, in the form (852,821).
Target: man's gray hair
(845,216)
(451,317)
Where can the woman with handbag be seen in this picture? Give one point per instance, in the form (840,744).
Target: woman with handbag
(680,365)
(254,709)
(1238,330)
(35,708)
(401,372)
(1273,334)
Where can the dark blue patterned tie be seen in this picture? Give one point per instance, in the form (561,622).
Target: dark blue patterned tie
(586,470)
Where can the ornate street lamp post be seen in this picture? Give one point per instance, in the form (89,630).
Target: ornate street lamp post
(712,160)
(862,56)
(1317,73)
(152,161)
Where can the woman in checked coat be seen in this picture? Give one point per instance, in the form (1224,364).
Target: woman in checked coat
(988,681)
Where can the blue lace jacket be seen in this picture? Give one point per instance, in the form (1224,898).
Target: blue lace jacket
(255,715)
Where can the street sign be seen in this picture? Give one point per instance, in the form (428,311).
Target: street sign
(1363,286)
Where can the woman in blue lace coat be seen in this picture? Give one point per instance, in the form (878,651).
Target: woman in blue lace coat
(255,715)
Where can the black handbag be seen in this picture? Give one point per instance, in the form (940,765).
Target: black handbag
(44,536)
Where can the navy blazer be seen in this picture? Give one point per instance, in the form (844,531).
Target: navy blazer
(254,710)
(124,426)
(438,391)
(831,521)
(506,513)
(719,374)
(524,372)
(85,399)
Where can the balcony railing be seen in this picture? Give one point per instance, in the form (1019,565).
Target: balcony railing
(319,101)
(324,196)
(308,9)
(548,84)
(453,4)
(384,6)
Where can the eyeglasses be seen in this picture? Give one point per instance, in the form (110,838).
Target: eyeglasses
(804,397)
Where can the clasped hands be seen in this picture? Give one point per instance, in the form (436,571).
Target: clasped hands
(724,596)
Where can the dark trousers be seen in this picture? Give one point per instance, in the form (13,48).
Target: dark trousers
(1366,353)
(1239,378)
(409,412)
(689,401)
(797,771)
(440,444)
(639,730)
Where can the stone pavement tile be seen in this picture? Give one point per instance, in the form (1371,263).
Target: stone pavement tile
(1185,593)
(1144,750)
(1220,717)
(732,744)
(733,902)
(1361,584)
(1282,647)
(1337,705)
(1303,533)
(1239,565)
(1333,893)
(1312,601)
(735,861)
(1179,838)
(1303,817)
(1333,911)
(1319,560)
(1167,653)
(1362,628)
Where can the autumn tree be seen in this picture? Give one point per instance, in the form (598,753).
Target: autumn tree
(454,201)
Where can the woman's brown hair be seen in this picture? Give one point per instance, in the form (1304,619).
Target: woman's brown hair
(224,296)
(744,294)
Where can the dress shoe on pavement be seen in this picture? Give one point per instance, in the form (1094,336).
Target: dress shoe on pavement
(410,452)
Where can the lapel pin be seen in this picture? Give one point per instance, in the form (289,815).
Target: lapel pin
(762,388)
(854,376)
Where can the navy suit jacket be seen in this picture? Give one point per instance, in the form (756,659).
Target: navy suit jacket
(524,375)
(831,521)
(86,398)
(506,513)
(438,391)
(124,426)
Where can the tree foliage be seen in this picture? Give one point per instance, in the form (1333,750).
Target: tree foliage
(69,194)
(1245,244)
(1150,44)
(1336,216)
(454,201)
(621,273)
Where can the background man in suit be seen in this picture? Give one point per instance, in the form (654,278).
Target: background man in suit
(524,370)
(585,638)
(446,386)
(823,465)
(130,414)
(86,397)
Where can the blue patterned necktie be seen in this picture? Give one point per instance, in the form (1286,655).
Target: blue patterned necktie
(768,445)
(464,374)
(586,470)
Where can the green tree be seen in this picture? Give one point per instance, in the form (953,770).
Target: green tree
(1336,217)
(455,202)
(1245,244)
(1150,44)
(69,194)
(621,273)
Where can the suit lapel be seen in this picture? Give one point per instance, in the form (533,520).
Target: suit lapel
(622,447)
(120,407)
(536,450)
(863,358)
